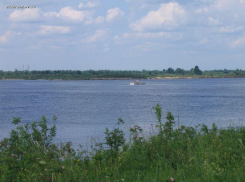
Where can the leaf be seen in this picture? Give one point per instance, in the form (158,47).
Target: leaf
(42,162)
(16,120)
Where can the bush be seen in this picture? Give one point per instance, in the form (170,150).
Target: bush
(182,154)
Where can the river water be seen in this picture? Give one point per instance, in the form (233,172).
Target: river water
(85,108)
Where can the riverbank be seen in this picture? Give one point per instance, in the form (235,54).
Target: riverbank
(170,73)
(150,78)
(182,154)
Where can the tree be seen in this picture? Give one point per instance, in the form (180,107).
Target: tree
(197,71)
(79,72)
(238,72)
(180,71)
(170,70)
(225,71)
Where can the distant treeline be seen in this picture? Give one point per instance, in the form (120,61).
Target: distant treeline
(118,74)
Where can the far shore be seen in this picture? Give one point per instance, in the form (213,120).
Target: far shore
(153,78)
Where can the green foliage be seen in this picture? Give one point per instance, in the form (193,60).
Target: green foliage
(170,71)
(136,134)
(238,73)
(182,154)
(197,71)
(115,138)
(180,71)
(16,120)
(118,74)
(158,112)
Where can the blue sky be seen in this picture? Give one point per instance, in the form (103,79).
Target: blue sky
(122,34)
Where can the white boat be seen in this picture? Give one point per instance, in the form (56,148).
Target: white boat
(137,82)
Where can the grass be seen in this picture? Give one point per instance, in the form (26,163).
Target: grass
(183,154)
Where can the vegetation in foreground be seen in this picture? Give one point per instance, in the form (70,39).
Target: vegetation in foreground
(118,74)
(183,154)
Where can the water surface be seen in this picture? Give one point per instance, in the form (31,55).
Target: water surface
(85,108)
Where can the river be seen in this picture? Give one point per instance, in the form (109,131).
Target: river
(85,108)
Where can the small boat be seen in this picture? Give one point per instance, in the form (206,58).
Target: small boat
(137,82)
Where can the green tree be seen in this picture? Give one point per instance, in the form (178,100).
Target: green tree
(225,71)
(170,70)
(180,71)
(79,72)
(238,72)
(197,71)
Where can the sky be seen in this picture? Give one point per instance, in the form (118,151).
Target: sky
(122,34)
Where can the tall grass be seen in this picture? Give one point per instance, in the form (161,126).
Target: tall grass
(183,154)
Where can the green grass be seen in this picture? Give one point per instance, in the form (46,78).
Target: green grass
(184,154)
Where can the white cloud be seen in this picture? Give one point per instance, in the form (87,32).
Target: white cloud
(4,39)
(116,37)
(224,5)
(111,15)
(201,10)
(50,14)
(230,29)
(81,5)
(88,5)
(213,21)
(72,14)
(136,37)
(224,16)
(223,8)
(68,13)
(147,35)
(167,15)
(26,15)
(30,15)
(99,35)
(91,4)
(98,20)
(7,36)
(114,13)
(238,42)
(54,29)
